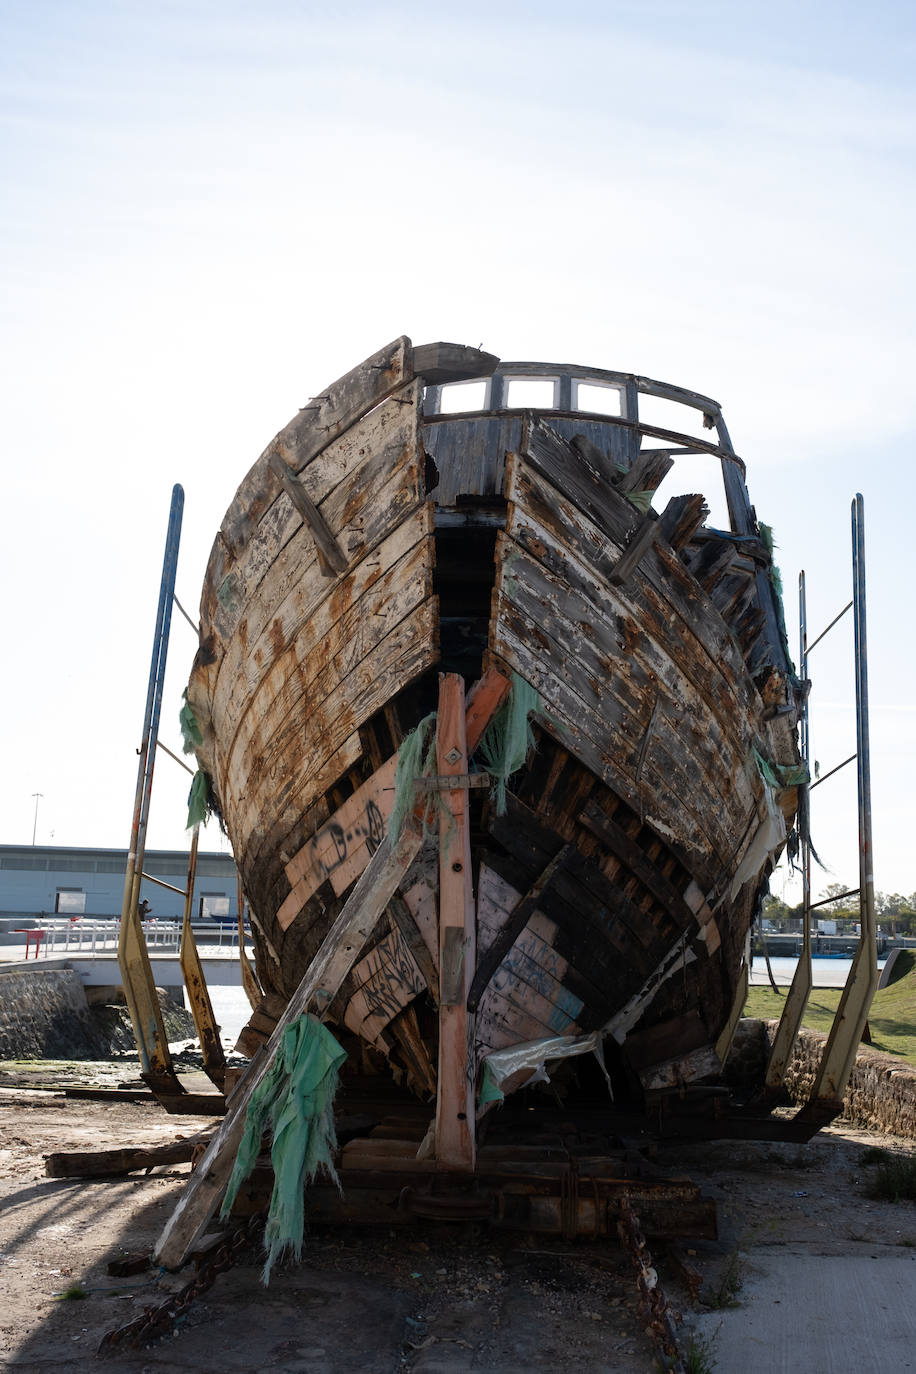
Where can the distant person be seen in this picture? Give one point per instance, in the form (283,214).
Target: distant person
(145,909)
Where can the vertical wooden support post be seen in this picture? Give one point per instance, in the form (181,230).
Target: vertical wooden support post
(455,1114)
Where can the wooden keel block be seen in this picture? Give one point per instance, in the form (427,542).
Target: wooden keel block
(455,1115)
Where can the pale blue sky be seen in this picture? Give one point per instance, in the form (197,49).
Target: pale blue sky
(213,209)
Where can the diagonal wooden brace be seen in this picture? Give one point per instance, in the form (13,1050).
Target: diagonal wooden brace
(338,953)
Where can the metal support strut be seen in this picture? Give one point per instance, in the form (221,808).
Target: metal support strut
(133,958)
(825,1100)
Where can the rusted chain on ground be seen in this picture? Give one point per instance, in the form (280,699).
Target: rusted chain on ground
(661,1319)
(162,1319)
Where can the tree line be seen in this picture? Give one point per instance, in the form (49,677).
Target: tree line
(896,912)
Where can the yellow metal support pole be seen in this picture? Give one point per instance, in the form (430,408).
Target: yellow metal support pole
(133,957)
(192,972)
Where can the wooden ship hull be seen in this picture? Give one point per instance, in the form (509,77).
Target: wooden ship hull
(585,918)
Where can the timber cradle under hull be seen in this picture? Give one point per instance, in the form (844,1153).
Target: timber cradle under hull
(388,558)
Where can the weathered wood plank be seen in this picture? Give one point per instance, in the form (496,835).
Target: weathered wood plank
(666,602)
(402,917)
(330,555)
(387,980)
(681,518)
(581,896)
(488,963)
(581,709)
(339,951)
(127,1160)
(403,655)
(648,873)
(536,995)
(558,462)
(540,942)
(341,848)
(294,591)
(644,536)
(382,442)
(483,701)
(647,471)
(455,1110)
(500,1023)
(438,363)
(285,817)
(314,666)
(294,598)
(314,428)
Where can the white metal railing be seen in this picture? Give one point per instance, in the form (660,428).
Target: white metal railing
(89,937)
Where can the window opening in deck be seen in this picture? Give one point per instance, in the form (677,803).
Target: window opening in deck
(460,396)
(214,904)
(530,393)
(598,398)
(70,901)
(665,414)
(696,472)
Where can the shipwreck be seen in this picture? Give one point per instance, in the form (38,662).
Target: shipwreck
(445,634)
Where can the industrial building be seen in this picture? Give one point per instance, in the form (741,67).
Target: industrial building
(47,880)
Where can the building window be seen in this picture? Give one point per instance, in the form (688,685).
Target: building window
(70,901)
(214,904)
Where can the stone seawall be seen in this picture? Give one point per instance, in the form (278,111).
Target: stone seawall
(44,1015)
(881,1092)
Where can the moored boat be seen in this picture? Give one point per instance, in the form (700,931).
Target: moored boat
(442,602)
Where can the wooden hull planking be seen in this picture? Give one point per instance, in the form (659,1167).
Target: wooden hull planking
(376,563)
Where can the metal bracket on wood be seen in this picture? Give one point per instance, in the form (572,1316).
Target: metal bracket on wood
(447,783)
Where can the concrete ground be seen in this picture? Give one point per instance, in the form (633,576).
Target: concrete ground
(820,1314)
(811,1275)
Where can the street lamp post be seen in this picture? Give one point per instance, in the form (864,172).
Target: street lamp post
(37,796)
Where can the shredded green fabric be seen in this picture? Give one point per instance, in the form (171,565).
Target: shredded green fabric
(295,1099)
(415,760)
(508,739)
(778,775)
(490,1091)
(198,800)
(642,500)
(190,730)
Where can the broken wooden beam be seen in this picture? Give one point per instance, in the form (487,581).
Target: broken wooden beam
(644,536)
(128,1160)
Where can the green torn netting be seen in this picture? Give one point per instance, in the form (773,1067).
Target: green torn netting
(198,800)
(415,760)
(642,500)
(296,1099)
(508,739)
(779,775)
(190,730)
